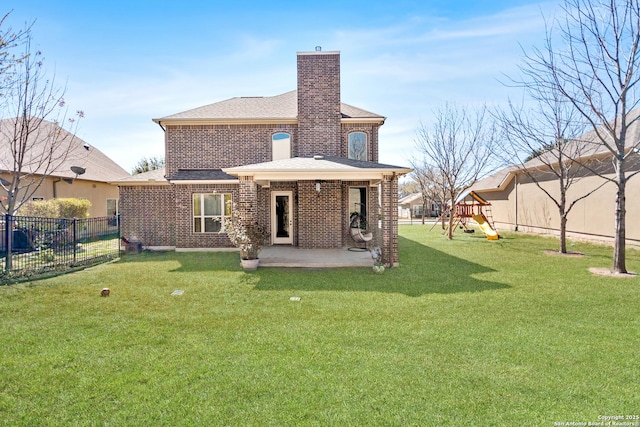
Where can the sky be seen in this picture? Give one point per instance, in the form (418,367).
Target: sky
(126,62)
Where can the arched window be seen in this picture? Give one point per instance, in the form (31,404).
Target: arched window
(280,146)
(358,146)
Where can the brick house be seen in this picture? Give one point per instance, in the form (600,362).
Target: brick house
(299,163)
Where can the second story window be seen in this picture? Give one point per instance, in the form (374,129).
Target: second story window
(281,146)
(358,146)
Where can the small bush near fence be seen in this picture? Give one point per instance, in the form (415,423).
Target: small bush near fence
(30,246)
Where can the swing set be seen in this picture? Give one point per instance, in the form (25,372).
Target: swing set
(470,205)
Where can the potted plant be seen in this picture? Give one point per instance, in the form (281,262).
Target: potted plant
(247,235)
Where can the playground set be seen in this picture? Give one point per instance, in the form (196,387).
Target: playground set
(470,205)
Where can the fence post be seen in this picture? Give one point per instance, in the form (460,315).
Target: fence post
(8,241)
(119,231)
(75,240)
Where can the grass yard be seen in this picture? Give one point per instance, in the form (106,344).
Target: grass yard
(464,333)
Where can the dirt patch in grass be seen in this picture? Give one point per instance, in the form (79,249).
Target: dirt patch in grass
(566,254)
(608,272)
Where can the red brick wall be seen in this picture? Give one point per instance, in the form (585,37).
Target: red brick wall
(148,214)
(372,139)
(221,146)
(319,104)
(389,198)
(319,216)
(185,236)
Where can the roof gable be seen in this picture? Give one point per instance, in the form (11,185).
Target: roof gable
(97,166)
(279,107)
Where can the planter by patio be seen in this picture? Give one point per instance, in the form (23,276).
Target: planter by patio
(250,264)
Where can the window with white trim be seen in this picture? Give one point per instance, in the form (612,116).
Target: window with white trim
(208,211)
(280,146)
(112,207)
(358,146)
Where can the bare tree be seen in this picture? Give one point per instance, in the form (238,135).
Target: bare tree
(458,146)
(595,67)
(407,187)
(31,147)
(148,164)
(541,140)
(33,142)
(429,183)
(9,39)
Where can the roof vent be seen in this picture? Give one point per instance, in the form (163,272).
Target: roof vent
(318,48)
(318,157)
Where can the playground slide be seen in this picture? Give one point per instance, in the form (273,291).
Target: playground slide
(485,227)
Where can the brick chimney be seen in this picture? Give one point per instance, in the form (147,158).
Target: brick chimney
(319,130)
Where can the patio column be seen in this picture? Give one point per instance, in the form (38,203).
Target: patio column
(389,199)
(248,195)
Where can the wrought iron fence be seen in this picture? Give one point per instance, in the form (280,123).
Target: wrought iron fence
(34,245)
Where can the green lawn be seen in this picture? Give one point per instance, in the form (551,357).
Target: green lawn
(464,333)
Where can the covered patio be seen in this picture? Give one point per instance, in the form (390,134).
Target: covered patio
(289,256)
(306,202)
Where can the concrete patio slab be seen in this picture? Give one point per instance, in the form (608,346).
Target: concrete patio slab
(289,256)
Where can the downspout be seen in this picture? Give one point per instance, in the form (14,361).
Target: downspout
(55,195)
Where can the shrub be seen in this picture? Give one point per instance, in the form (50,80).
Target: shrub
(47,255)
(57,208)
(73,208)
(41,208)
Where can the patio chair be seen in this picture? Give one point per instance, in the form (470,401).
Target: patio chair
(356,231)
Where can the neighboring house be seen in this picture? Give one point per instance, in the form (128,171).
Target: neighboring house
(299,163)
(411,206)
(93,184)
(518,203)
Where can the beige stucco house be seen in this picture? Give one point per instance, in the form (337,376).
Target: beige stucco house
(93,183)
(518,203)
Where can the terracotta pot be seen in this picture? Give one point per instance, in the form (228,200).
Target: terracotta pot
(250,264)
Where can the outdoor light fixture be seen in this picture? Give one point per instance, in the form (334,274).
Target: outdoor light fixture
(318,186)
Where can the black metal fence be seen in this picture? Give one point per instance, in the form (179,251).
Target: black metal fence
(33,245)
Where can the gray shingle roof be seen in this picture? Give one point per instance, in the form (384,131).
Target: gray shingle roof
(284,106)
(156,175)
(98,167)
(201,175)
(585,147)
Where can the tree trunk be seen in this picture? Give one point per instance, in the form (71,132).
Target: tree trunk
(563,216)
(619,263)
(8,236)
(563,233)
(451,217)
